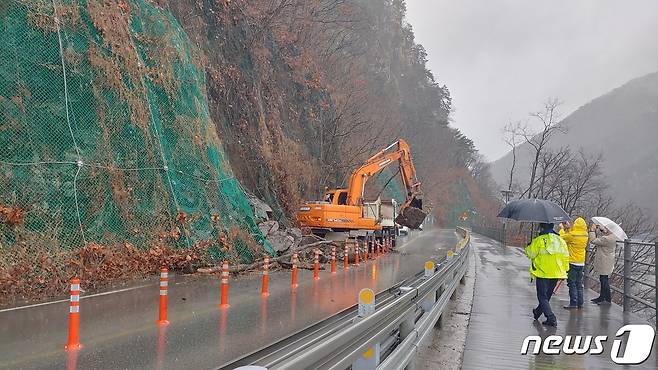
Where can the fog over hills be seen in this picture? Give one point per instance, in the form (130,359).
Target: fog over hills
(622,125)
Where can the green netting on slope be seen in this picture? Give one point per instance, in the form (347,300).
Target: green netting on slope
(105,133)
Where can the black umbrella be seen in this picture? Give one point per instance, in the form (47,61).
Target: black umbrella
(534,210)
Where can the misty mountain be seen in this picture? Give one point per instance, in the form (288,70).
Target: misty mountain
(622,125)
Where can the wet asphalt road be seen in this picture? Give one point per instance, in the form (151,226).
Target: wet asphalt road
(118,330)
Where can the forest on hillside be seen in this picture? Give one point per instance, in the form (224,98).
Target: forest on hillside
(304,91)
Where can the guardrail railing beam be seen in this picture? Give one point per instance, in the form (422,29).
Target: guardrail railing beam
(387,337)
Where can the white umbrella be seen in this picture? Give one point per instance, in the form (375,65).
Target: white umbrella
(612,226)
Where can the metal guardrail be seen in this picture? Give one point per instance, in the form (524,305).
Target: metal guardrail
(495,233)
(628,276)
(507,236)
(388,338)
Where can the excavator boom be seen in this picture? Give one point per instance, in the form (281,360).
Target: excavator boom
(377,163)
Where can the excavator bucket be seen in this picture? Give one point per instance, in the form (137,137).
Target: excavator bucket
(411,217)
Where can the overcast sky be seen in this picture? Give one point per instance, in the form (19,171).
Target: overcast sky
(502,59)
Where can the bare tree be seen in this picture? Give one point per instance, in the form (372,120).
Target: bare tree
(511,138)
(572,180)
(584,179)
(553,168)
(550,125)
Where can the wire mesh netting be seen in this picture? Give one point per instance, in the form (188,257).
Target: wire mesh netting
(106,138)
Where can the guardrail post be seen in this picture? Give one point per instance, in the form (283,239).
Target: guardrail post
(428,301)
(369,359)
(627,275)
(407,326)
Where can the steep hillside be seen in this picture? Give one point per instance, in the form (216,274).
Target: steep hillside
(623,126)
(110,165)
(131,131)
(303,91)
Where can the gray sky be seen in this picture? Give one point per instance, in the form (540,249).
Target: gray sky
(501,59)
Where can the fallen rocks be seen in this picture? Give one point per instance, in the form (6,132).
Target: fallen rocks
(295,232)
(268,227)
(262,211)
(281,241)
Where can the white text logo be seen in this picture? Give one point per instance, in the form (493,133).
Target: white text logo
(637,345)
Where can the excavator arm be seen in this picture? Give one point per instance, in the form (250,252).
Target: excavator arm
(411,214)
(378,162)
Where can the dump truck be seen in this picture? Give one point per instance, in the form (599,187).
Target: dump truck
(344,211)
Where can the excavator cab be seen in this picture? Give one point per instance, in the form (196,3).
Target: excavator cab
(328,197)
(339,195)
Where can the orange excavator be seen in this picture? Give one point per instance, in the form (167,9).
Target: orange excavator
(345,210)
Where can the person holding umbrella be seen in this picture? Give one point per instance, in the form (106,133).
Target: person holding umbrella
(548,251)
(550,263)
(604,258)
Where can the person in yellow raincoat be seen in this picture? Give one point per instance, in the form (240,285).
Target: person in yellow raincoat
(549,263)
(576,237)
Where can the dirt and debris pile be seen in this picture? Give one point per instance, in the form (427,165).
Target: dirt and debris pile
(305,247)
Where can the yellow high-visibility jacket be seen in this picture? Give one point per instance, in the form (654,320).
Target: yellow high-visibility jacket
(549,256)
(576,238)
